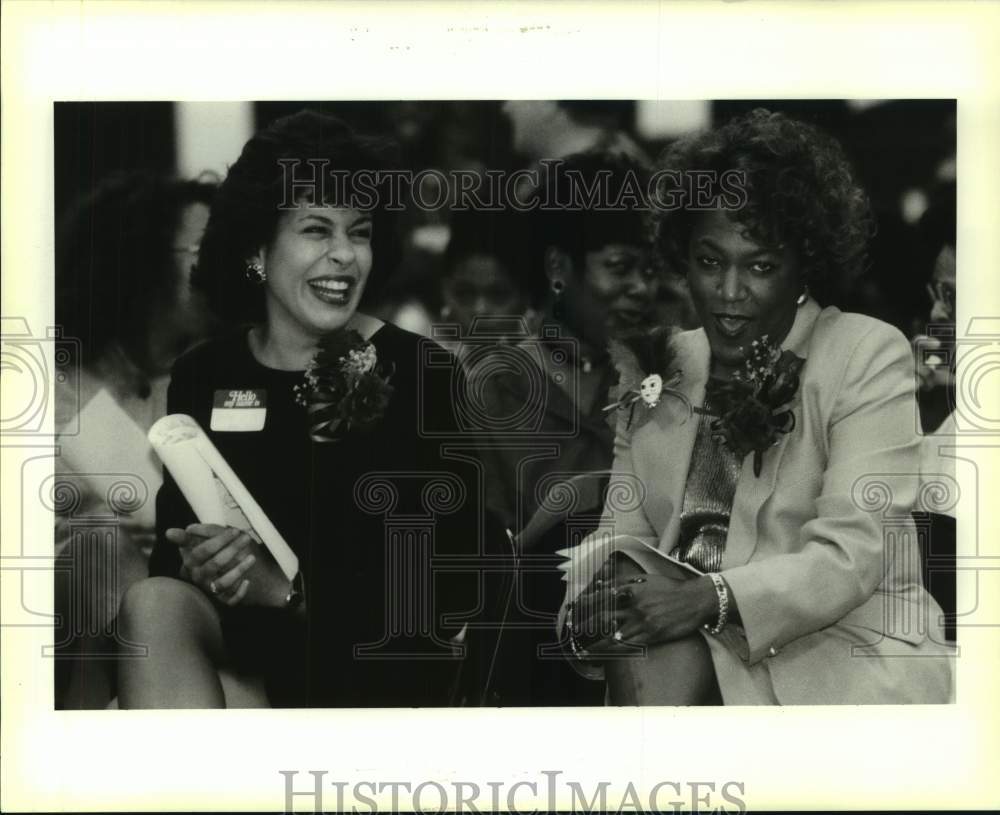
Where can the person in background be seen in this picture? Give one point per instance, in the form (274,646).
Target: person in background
(485,266)
(448,138)
(124,256)
(934,356)
(592,275)
(935,362)
(547,395)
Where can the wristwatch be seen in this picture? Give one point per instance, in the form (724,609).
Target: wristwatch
(296,592)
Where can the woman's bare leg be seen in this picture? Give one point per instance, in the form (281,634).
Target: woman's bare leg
(672,673)
(181,630)
(243,691)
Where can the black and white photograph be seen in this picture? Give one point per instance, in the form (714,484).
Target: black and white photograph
(397,386)
(410,416)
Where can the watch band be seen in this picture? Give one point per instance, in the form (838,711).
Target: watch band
(296,592)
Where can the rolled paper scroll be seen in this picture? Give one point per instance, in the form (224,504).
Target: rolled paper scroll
(210,486)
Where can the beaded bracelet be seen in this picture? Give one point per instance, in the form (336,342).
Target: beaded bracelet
(723,592)
(575,648)
(579,651)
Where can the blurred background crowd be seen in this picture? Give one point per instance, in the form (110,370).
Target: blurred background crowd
(903,152)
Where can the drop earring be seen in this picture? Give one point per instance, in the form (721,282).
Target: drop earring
(803,297)
(255,272)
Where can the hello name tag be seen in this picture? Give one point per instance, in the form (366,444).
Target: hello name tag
(239,411)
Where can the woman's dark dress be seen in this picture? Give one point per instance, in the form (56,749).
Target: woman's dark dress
(354,597)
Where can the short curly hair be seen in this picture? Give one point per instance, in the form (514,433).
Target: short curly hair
(250,200)
(800,191)
(576,229)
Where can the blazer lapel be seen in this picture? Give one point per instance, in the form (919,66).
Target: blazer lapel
(669,436)
(752,491)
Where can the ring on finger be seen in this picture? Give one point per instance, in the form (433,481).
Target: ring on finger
(617,636)
(212,587)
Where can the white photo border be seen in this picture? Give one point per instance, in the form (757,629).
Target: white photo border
(816,757)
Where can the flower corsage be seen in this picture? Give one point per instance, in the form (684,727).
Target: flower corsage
(751,406)
(345,389)
(645,362)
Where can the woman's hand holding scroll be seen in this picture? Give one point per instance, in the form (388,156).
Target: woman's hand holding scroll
(229,565)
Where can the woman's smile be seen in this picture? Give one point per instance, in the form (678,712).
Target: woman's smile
(317,266)
(334,290)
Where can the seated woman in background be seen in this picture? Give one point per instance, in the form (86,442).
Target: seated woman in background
(484,269)
(935,341)
(803,440)
(365,622)
(934,355)
(591,271)
(123,264)
(547,432)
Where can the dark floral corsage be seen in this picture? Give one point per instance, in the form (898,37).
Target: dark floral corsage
(751,405)
(645,363)
(345,388)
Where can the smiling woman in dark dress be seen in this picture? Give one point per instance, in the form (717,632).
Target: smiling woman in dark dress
(364,622)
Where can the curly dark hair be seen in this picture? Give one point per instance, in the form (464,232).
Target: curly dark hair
(801,191)
(556,220)
(307,145)
(115,257)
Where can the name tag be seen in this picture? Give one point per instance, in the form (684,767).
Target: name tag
(239,411)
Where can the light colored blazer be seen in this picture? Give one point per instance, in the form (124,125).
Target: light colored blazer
(821,555)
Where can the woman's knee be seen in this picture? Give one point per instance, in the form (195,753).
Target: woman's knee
(158,601)
(679,672)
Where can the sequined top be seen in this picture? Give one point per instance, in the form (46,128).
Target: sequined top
(708,500)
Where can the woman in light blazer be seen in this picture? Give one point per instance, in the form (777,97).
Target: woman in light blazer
(764,555)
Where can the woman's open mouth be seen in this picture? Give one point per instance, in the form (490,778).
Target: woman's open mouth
(731,325)
(334,291)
